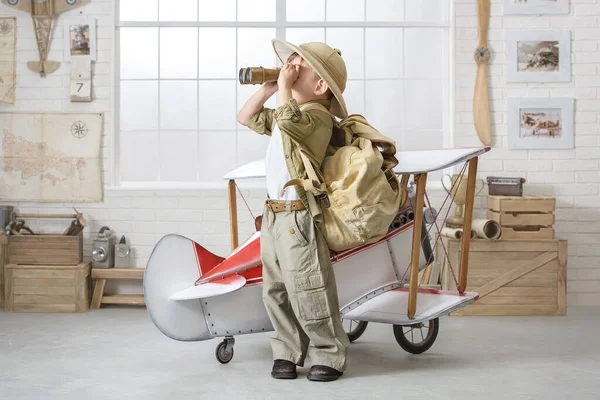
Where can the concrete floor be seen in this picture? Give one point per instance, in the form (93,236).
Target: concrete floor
(116,353)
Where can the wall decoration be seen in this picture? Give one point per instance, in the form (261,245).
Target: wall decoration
(80,50)
(50,157)
(540,123)
(80,39)
(8,39)
(538,56)
(42,13)
(481,105)
(515,7)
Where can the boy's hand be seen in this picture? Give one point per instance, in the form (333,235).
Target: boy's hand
(288,75)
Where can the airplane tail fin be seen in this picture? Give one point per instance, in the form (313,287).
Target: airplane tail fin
(47,67)
(175,264)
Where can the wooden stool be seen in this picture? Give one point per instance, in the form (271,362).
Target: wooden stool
(102,274)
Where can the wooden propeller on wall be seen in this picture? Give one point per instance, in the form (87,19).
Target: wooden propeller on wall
(481,106)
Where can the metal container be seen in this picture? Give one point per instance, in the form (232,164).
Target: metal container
(103,253)
(499,186)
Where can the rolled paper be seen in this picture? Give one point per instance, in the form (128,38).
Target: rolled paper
(452,233)
(473,234)
(487,228)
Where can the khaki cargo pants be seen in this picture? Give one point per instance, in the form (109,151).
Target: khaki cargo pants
(299,291)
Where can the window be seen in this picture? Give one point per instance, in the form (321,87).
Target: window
(178,94)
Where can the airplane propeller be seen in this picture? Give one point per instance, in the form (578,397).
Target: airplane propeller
(481,106)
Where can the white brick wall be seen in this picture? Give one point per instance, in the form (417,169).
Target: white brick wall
(573,176)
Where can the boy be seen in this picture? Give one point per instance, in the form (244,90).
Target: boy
(299,289)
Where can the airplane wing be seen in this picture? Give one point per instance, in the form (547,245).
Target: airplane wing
(210,289)
(420,161)
(64,5)
(19,5)
(409,162)
(391,307)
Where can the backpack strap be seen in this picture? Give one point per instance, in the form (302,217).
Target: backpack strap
(312,184)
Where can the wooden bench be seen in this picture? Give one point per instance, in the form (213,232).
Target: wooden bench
(100,275)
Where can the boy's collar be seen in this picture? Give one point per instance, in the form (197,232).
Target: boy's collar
(325,102)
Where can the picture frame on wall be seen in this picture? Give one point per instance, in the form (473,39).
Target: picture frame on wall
(526,7)
(538,56)
(80,39)
(540,123)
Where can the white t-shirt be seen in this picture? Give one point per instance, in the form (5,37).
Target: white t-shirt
(276,169)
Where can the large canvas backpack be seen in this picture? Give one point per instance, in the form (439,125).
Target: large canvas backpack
(360,194)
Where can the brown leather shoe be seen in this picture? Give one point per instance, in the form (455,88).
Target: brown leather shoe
(284,369)
(322,373)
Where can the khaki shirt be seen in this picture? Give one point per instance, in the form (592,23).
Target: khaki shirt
(301,128)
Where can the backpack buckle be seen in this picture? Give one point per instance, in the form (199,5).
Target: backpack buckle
(324,199)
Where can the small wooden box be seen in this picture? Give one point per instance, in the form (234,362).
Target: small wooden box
(45,249)
(47,288)
(512,277)
(523,217)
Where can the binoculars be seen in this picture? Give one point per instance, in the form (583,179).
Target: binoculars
(258,75)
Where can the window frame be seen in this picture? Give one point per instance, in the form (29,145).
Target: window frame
(280,24)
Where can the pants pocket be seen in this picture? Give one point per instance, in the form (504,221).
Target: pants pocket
(297,228)
(313,302)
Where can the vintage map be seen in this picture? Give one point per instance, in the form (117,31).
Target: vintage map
(50,157)
(8,36)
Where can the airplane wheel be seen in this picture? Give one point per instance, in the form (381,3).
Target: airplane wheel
(418,338)
(223,355)
(354,329)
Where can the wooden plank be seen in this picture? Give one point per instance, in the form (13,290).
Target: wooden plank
(44,299)
(521,219)
(50,260)
(3,262)
(468,217)
(44,245)
(517,300)
(121,273)
(496,273)
(517,272)
(9,290)
(81,301)
(135,299)
(483,245)
(44,273)
(44,308)
(49,267)
(525,281)
(61,282)
(421,181)
(98,293)
(233,221)
(58,290)
(521,204)
(507,310)
(562,277)
(44,253)
(526,291)
(511,233)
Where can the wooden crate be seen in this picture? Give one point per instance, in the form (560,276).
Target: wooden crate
(3,262)
(47,288)
(45,249)
(523,217)
(512,277)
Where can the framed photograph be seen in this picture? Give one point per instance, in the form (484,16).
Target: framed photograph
(520,7)
(540,123)
(80,39)
(538,56)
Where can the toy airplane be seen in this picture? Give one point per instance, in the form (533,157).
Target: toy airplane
(42,12)
(192,294)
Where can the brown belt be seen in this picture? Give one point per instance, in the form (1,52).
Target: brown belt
(277,206)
